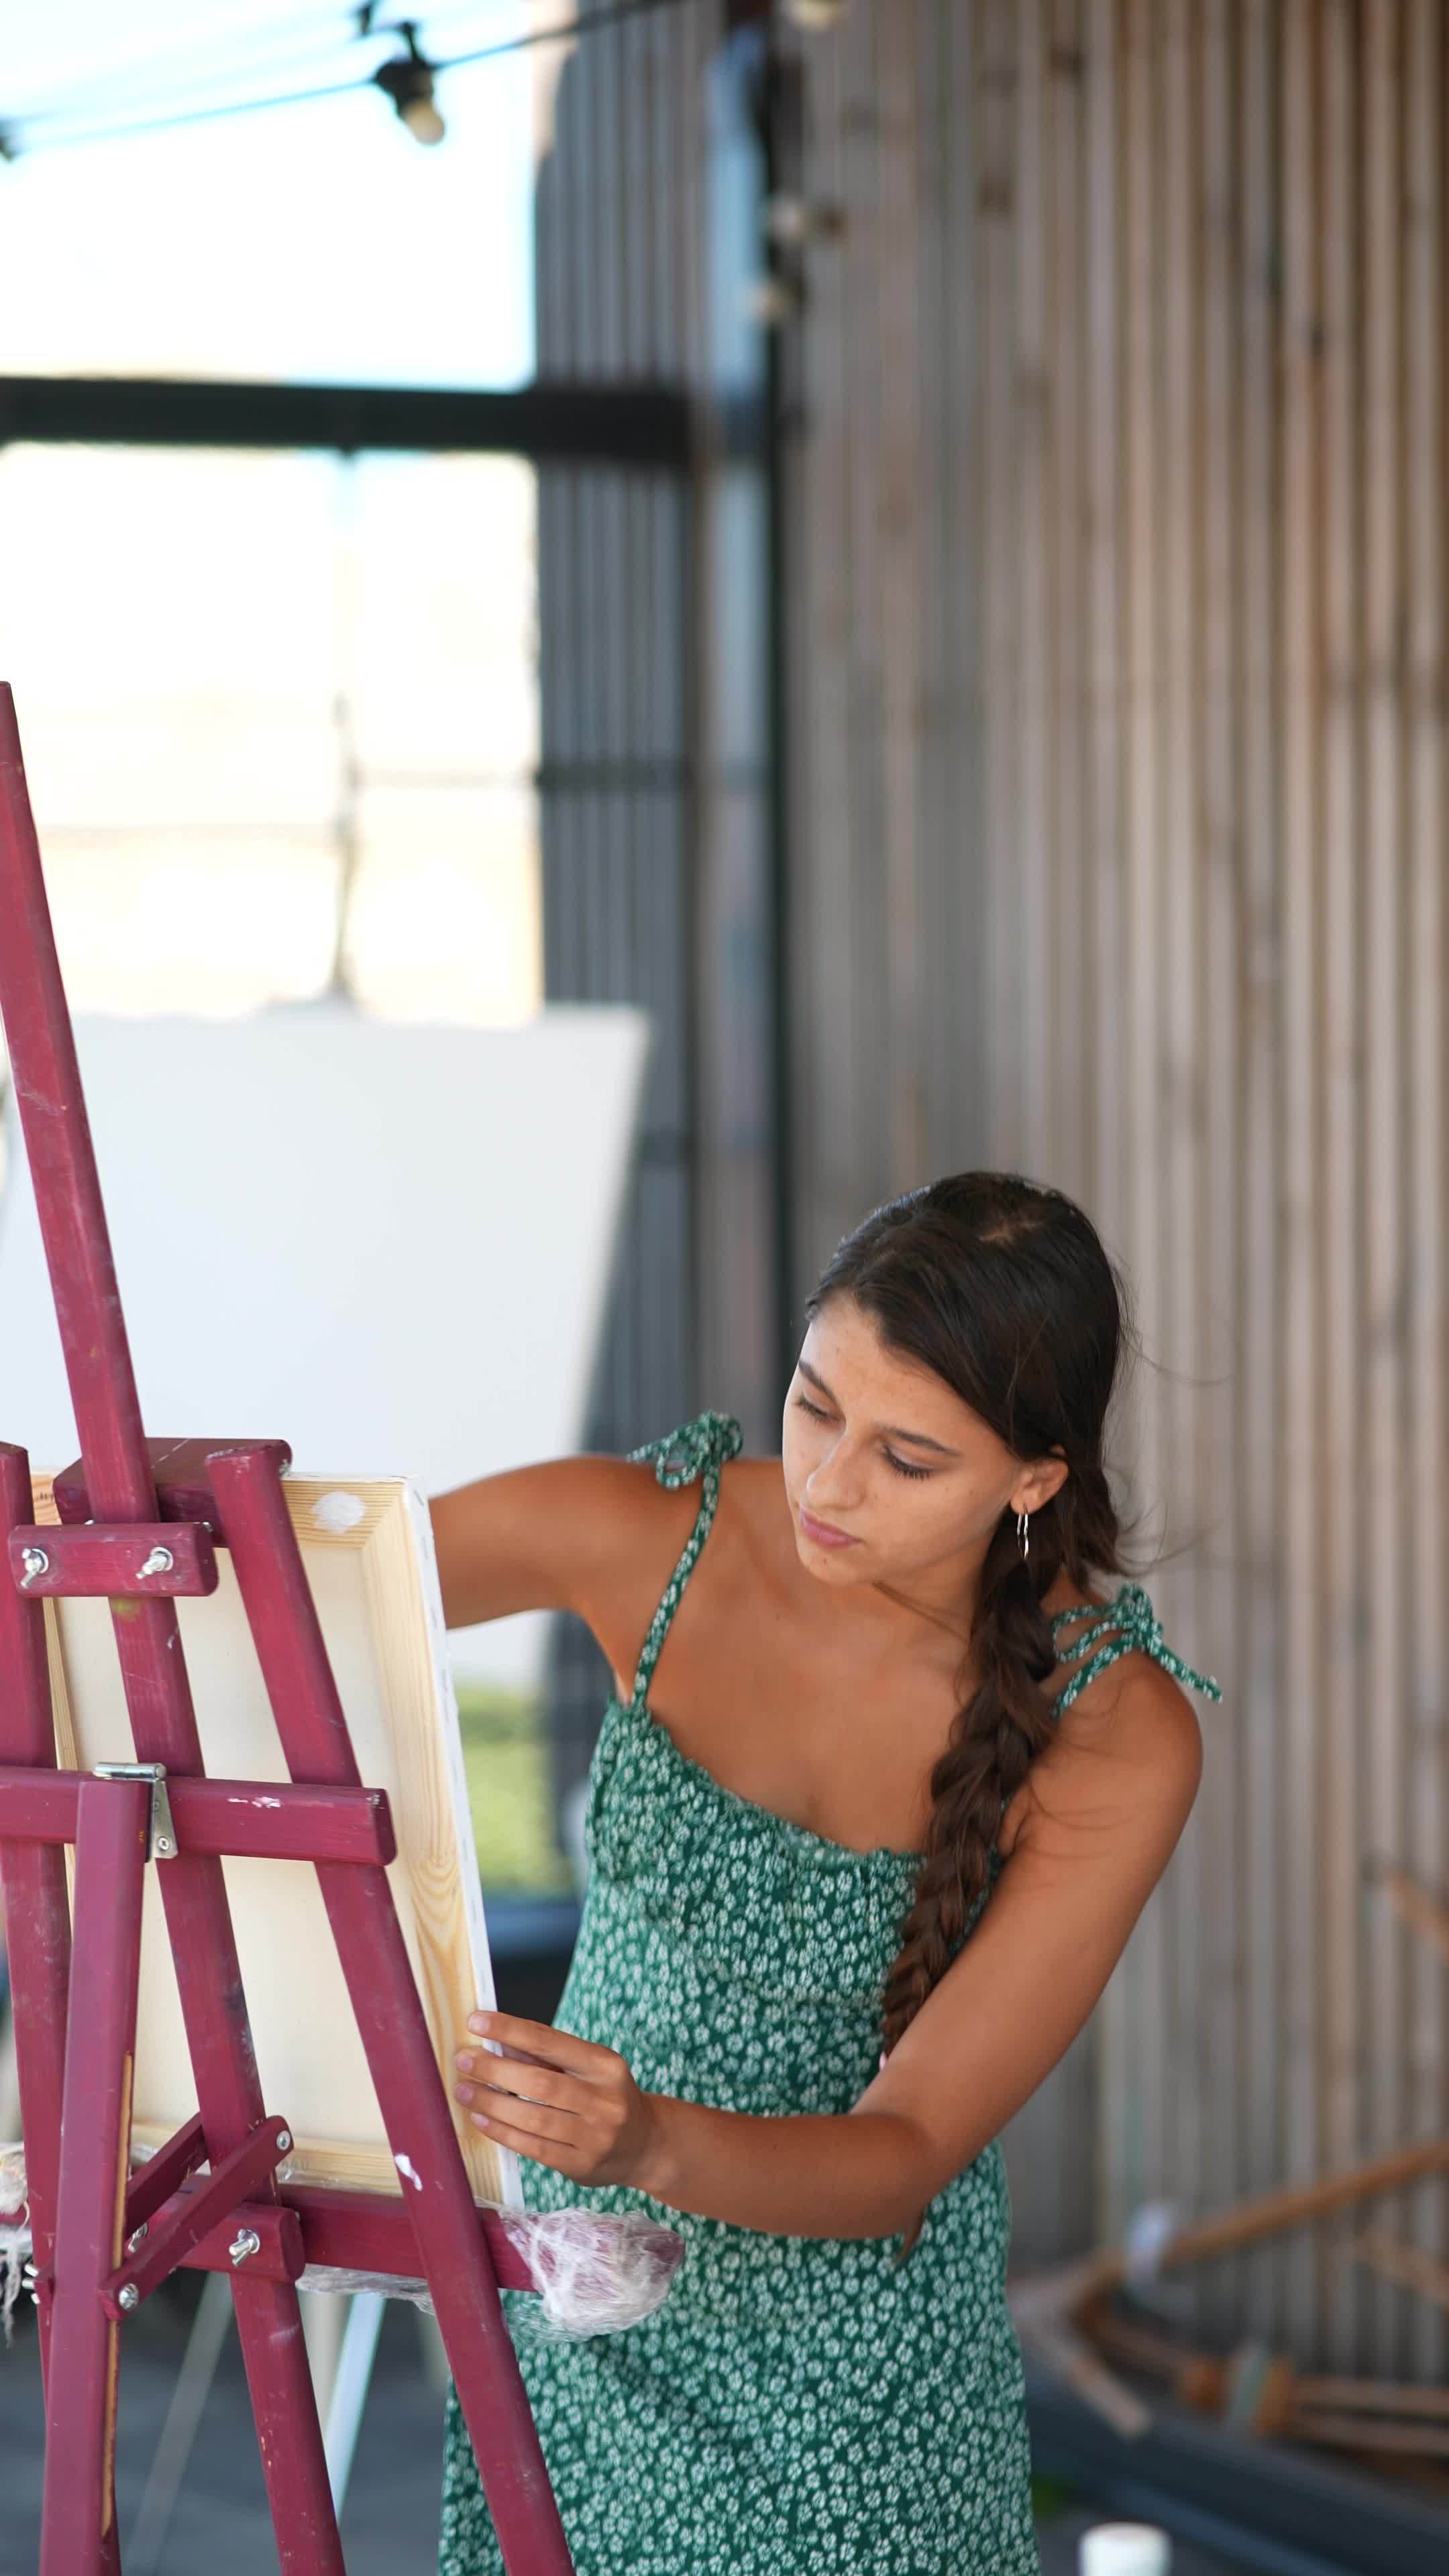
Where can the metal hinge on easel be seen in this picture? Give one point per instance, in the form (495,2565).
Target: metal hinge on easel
(161,1841)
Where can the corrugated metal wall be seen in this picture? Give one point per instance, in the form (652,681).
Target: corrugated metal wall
(1117,715)
(654,783)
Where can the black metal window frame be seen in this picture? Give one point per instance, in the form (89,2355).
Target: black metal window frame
(584,424)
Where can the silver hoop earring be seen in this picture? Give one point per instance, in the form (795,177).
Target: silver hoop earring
(1023,1532)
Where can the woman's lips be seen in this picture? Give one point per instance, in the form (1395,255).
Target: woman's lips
(820,1532)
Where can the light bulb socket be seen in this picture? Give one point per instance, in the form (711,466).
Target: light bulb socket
(408,81)
(793,221)
(770,302)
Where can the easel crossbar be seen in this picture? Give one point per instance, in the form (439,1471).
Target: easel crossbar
(227,1819)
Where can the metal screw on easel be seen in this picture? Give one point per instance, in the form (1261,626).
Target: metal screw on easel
(136,2237)
(160,1561)
(284,2142)
(128,2296)
(35,1561)
(245,2243)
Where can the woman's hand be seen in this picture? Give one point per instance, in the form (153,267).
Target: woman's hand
(563,2101)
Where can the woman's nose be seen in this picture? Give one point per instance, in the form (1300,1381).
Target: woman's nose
(834,1485)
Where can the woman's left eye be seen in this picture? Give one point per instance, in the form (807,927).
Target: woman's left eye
(817,1411)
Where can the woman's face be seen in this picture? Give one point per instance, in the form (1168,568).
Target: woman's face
(881,1452)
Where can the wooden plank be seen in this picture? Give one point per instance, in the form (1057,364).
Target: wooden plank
(1100,544)
(1300,1196)
(1336,1579)
(1064,931)
(900,500)
(996,79)
(1031,441)
(1102,505)
(1219,1269)
(951,839)
(1180,1041)
(1383,1481)
(375,1587)
(1138,2154)
(866,1046)
(1426,981)
(1258,1657)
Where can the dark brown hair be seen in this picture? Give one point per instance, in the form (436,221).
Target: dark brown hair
(1004,1290)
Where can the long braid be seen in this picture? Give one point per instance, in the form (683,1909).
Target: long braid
(996,1737)
(1003,1289)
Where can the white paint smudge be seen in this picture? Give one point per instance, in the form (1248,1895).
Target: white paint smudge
(409,2171)
(338,1512)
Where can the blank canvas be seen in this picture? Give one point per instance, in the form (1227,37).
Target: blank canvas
(366,1546)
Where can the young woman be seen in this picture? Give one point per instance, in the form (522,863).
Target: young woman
(879,1690)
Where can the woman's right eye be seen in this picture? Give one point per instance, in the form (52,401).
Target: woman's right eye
(806,1406)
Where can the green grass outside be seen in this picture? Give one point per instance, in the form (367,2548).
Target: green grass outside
(506,1760)
(1052,2496)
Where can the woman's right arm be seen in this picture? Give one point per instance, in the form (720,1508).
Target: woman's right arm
(562,1535)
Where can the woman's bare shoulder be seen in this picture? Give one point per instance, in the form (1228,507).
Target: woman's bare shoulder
(557,1535)
(1129,1740)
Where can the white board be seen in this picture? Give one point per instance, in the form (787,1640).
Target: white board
(367,1549)
(370,1240)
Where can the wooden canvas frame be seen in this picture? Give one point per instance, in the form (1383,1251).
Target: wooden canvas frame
(366,1545)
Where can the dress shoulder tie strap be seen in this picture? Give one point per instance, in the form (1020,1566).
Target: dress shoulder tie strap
(1123,1626)
(697,1450)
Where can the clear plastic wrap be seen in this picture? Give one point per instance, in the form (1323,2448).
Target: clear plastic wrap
(595,2271)
(15,2245)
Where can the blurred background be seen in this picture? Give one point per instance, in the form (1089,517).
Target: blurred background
(907,540)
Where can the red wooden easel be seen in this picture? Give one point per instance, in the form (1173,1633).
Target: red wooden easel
(140,1524)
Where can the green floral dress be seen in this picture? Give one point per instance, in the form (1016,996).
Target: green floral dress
(797,2404)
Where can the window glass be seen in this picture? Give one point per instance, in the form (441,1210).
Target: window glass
(280,717)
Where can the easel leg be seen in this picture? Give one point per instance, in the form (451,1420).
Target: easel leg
(78,2523)
(391,2025)
(37,1905)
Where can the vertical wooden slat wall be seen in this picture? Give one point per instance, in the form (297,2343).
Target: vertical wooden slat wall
(1116,726)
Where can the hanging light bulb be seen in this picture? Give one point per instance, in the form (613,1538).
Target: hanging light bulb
(408,81)
(815,16)
(770,302)
(794,221)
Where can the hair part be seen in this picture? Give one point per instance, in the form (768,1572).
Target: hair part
(1003,1289)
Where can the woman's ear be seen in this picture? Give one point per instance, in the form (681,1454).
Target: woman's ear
(1047,1478)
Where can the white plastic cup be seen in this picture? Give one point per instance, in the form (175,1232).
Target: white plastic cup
(1125,2549)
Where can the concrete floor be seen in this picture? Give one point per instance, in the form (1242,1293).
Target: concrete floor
(221,2525)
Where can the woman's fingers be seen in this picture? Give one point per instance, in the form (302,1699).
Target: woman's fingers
(555,2152)
(494,2075)
(539,2039)
(532,2127)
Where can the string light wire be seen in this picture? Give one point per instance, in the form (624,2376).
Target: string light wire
(612,14)
(261,53)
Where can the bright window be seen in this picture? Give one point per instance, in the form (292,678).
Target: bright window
(280,716)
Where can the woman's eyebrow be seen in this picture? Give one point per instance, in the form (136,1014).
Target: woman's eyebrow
(892,1430)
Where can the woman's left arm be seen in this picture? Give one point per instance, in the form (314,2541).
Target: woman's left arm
(1103,1809)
